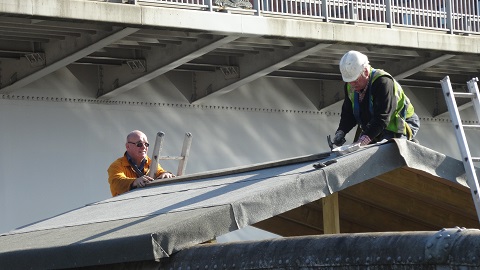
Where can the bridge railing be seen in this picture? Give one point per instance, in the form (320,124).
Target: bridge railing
(451,16)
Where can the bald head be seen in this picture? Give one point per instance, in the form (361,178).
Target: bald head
(135,134)
(136,145)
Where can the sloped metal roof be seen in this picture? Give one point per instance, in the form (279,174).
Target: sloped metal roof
(169,216)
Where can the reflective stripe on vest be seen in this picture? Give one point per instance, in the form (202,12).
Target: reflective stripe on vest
(404,108)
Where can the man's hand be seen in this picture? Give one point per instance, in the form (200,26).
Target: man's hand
(339,138)
(364,140)
(165,175)
(142,181)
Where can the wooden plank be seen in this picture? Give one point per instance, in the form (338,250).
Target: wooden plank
(331,220)
(286,227)
(452,198)
(375,218)
(408,206)
(308,220)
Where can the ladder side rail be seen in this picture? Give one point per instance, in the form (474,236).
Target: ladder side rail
(455,117)
(473,88)
(462,142)
(156,153)
(187,142)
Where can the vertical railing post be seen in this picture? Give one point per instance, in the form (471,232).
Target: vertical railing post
(448,9)
(325,10)
(353,12)
(389,14)
(467,23)
(210,4)
(256,7)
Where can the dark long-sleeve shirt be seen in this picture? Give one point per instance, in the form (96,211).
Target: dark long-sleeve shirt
(382,91)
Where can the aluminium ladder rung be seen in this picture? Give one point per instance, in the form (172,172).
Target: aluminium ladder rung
(476,159)
(170,158)
(463,95)
(471,127)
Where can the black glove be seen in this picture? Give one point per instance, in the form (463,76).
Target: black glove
(339,138)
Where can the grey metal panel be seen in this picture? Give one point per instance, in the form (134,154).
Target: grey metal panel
(155,222)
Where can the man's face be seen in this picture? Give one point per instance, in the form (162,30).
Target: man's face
(360,83)
(137,146)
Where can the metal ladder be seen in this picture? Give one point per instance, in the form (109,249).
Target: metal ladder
(187,142)
(468,160)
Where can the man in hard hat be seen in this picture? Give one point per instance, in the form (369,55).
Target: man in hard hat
(375,102)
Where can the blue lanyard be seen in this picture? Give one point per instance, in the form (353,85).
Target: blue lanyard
(356,105)
(138,170)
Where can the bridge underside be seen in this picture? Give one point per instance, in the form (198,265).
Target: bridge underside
(208,54)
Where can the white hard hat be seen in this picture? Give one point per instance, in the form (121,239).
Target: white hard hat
(352,64)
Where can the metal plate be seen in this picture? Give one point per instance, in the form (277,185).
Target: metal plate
(345,149)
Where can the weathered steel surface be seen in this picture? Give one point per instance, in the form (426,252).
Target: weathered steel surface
(454,248)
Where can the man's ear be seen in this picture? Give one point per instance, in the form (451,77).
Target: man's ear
(365,72)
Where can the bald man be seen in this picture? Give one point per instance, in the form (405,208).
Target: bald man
(131,171)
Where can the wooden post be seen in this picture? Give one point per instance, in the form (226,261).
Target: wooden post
(157,148)
(331,218)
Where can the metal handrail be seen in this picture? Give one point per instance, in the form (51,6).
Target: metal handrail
(451,16)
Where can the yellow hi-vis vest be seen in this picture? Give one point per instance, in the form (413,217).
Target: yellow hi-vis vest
(404,108)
